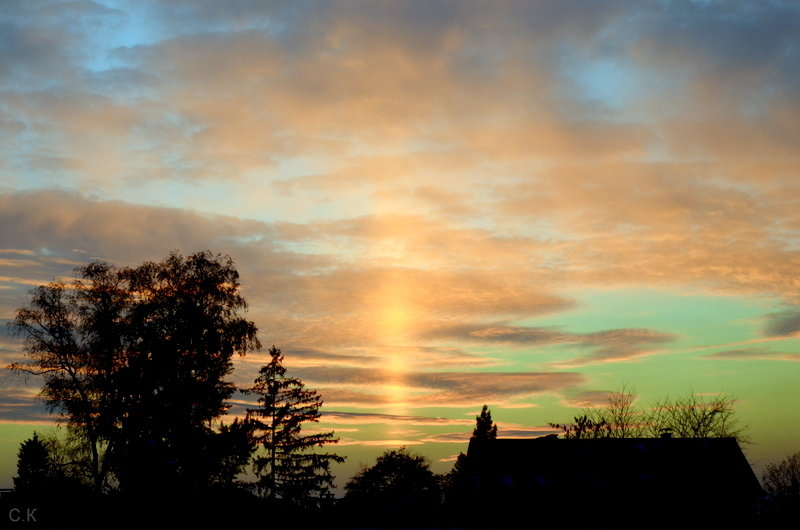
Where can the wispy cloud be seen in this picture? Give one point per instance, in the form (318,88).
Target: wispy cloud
(782,324)
(755,354)
(367,387)
(367,418)
(605,346)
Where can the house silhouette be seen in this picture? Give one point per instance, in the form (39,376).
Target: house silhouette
(612,483)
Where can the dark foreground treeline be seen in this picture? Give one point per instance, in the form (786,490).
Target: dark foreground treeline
(552,482)
(398,491)
(482,491)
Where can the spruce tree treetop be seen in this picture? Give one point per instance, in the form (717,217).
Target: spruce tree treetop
(485,428)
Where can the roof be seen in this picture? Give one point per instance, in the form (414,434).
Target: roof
(650,474)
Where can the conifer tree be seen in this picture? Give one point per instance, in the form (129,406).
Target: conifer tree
(289,468)
(459,491)
(485,428)
(34,468)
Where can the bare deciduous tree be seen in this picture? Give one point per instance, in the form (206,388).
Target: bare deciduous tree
(620,416)
(690,416)
(693,416)
(783,479)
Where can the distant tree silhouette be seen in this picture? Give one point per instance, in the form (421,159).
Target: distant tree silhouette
(783,479)
(458,485)
(458,490)
(690,416)
(69,457)
(34,468)
(618,419)
(693,416)
(582,427)
(291,468)
(485,428)
(782,482)
(135,360)
(399,487)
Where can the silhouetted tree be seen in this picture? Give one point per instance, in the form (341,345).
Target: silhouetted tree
(458,485)
(620,418)
(617,419)
(399,487)
(783,479)
(685,417)
(582,427)
(457,489)
(184,327)
(73,338)
(34,468)
(782,482)
(231,450)
(135,359)
(70,457)
(485,428)
(693,416)
(291,469)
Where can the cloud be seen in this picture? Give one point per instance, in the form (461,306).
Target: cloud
(622,345)
(605,346)
(502,334)
(589,399)
(21,401)
(754,354)
(57,223)
(394,442)
(420,357)
(784,323)
(534,432)
(241,93)
(503,432)
(365,418)
(449,437)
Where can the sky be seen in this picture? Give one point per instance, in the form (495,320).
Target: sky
(433,205)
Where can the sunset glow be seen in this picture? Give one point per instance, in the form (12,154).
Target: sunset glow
(432,205)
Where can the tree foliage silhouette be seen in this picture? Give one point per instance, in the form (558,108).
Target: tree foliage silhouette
(783,479)
(135,361)
(458,487)
(782,482)
(73,338)
(485,428)
(290,468)
(34,468)
(456,481)
(400,483)
(582,427)
(46,468)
